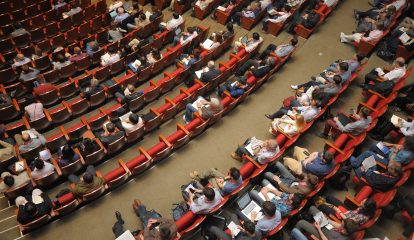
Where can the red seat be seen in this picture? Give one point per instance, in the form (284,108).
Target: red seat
(49,98)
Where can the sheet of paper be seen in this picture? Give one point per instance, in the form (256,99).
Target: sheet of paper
(233,228)
(207,43)
(369,163)
(321,219)
(19,166)
(198,73)
(45,155)
(395,119)
(197,101)
(223,9)
(30,132)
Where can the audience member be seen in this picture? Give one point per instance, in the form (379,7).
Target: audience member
(394,72)
(20,60)
(110,134)
(247,230)
(206,109)
(281,50)
(206,202)
(261,151)
(92,47)
(132,123)
(93,88)
(206,75)
(308,112)
(77,55)
(250,44)
(110,57)
(33,109)
(31,143)
(271,218)
(66,156)
(86,183)
(114,33)
(120,15)
(277,16)
(28,73)
(10,182)
(225,184)
(74,8)
(61,62)
(42,169)
(373,35)
(236,88)
(288,125)
(18,30)
(33,207)
(173,24)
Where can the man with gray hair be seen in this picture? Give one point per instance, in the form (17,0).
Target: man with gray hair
(259,68)
(205,108)
(205,75)
(31,143)
(261,151)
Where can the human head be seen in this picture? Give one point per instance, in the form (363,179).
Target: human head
(164,233)
(131,88)
(300,121)
(399,62)
(214,102)
(409,143)
(94,45)
(19,57)
(343,66)
(271,144)
(77,50)
(359,57)
(327,157)
(87,177)
(133,118)
(249,227)
(39,164)
(94,82)
(26,137)
(256,36)
(111,50)
(234,173)
(230,27)
(209,193)
(67,152)
(294,41)
(120,10)
(196,52)
(271,61)
(287,8)
(73,4)
(25,68)
(268,208)
(296,199)
(337,79)
(60,58)
(380,26)
(8,180)
(350,226)
(175,15)
(364,112)
(391,10)
(110,127)
(17,25)
(312,179)
(395,169)
(210,64)
(30,208)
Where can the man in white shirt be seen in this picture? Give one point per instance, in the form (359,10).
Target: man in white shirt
(395,72)
(373,36)
(277,17)
(261,151)
(188,37)
(205,203)
(132,123)
(173,23)
(250,44)
(121,15)
(110,57)
(42,169)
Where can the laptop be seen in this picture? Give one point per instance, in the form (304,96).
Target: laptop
(178,31)
(247,206)
(343,119)
(244,39)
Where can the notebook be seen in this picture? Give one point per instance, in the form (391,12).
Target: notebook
(252,146)
(269,194)
(321,219)
(233,228)
(344,119)
(244,39)
(395,119)
(207,43)
(369,162)
(405,38)
(384,149)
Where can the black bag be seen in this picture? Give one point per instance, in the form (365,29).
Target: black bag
(384,88)
(339,179)
(385,55)
(213,220)
(179,210)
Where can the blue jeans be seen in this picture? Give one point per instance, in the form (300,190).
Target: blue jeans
(146,215)
(296,234)
(189,110)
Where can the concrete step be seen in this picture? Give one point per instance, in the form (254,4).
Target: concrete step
(7,212)
(7,223)
(10,233)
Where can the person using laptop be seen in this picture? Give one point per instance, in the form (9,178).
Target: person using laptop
(209,199)
(261,151)
(317,163)
(247,231)
(249,44)
(343,124)
(225,184)
(338,231)
(266,220)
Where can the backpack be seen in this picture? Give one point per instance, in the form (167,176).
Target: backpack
(179,210)
(384,88)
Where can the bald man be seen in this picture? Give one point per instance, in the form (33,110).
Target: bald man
(20,60)
(31,143)
(393,73)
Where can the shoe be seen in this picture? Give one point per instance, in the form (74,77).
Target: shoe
(119,217)
(136,232)
(313,78)
(235,157)
(268,116)
(185,120)
(321,135)
(294,87)
(356,15)
(194,175)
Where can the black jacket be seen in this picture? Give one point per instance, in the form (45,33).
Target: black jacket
(210,75)
(42,209)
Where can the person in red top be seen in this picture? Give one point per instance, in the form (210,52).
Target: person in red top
(43,88)
(78,54)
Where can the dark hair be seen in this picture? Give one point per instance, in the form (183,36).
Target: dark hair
(296,199)
(87,177)
(142,16)
(343,66)
(328,157)
(67,152)
(249,227)
(360,57)
(369,207)
(294,41)
(30,208)
(350,226)
(209,193)
(365,112)
(409,143)
(256,36)
(8,180)
(337,79)
(234,173)
(230,27)
(17,25)
(39,164)
(133,117)
(396,168)
(143,60)
(60,58)
(164,233)
(156,54)
(110,127)
(196,52)
(176,15)
(380,26)
(269,208)
(288,8)
(111,50)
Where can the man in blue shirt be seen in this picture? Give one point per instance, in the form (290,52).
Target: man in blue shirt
(353,64)
(225,184)
(317,163)
(235,88)
(282,50)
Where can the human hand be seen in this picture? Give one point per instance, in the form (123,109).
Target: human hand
(276,178)
(335,119)
(254,215)
(264,190)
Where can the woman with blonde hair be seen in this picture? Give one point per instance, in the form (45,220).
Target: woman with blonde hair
(289,126)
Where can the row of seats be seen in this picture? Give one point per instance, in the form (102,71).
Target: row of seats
(6,5)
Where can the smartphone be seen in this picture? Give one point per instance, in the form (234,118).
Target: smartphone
(192,190)
(154,225)
(306,153)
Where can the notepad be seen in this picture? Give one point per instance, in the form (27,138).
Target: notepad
(207,43)
(269,194)
(321,219)
(30,132)
(195,103)
(223,9)
(198,73)
(233,228)
(395,119)
(405,38)
(369,162)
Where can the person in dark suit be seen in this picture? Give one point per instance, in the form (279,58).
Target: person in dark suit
(259,68)
(209,73)
(93,88)
(155,13)
(308,20)
(110,135)
(35,206)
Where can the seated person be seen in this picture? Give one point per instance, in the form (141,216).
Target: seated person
(172,24)
(20,60)
(130,93)
(393,73)
(18,30)
(308,20)
(202,4)
(33,207)
(317,163)
(308,112)
(28,73)
(132,123)
(288,125)
(205,108)
(284,202)
(66,156)
(207,74)
(115,33)
(140,22)
(395,153)
(110,57)
(225,184)
(42,87)
(403,36)
(155,226)
(227,7)
(261,151)
(373,35)
(236,88)
(277,16)
(59,4)
(92,89)
(228,32)
(186,37)
(344,124)
(281,50)
(140,64)
(120,15)
(353,64)
(5,101)
(31,143)
(10,182)
(38,53)
(74,8)
(77,54)
(250,44)
(7,150)
(92,47)
(88,146)
(190,59)
(247,230)
(86,183)
(137,43)
(385,126)
(318,4)
(33,109)
(60,62)
(209,199)
(213,42)
(286,182)
(110,134)
(364,212)
(42,169)
(259,68)
(271,218)
(368,24)
(155,13)
(339,231)
(251,11)
(154,56)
